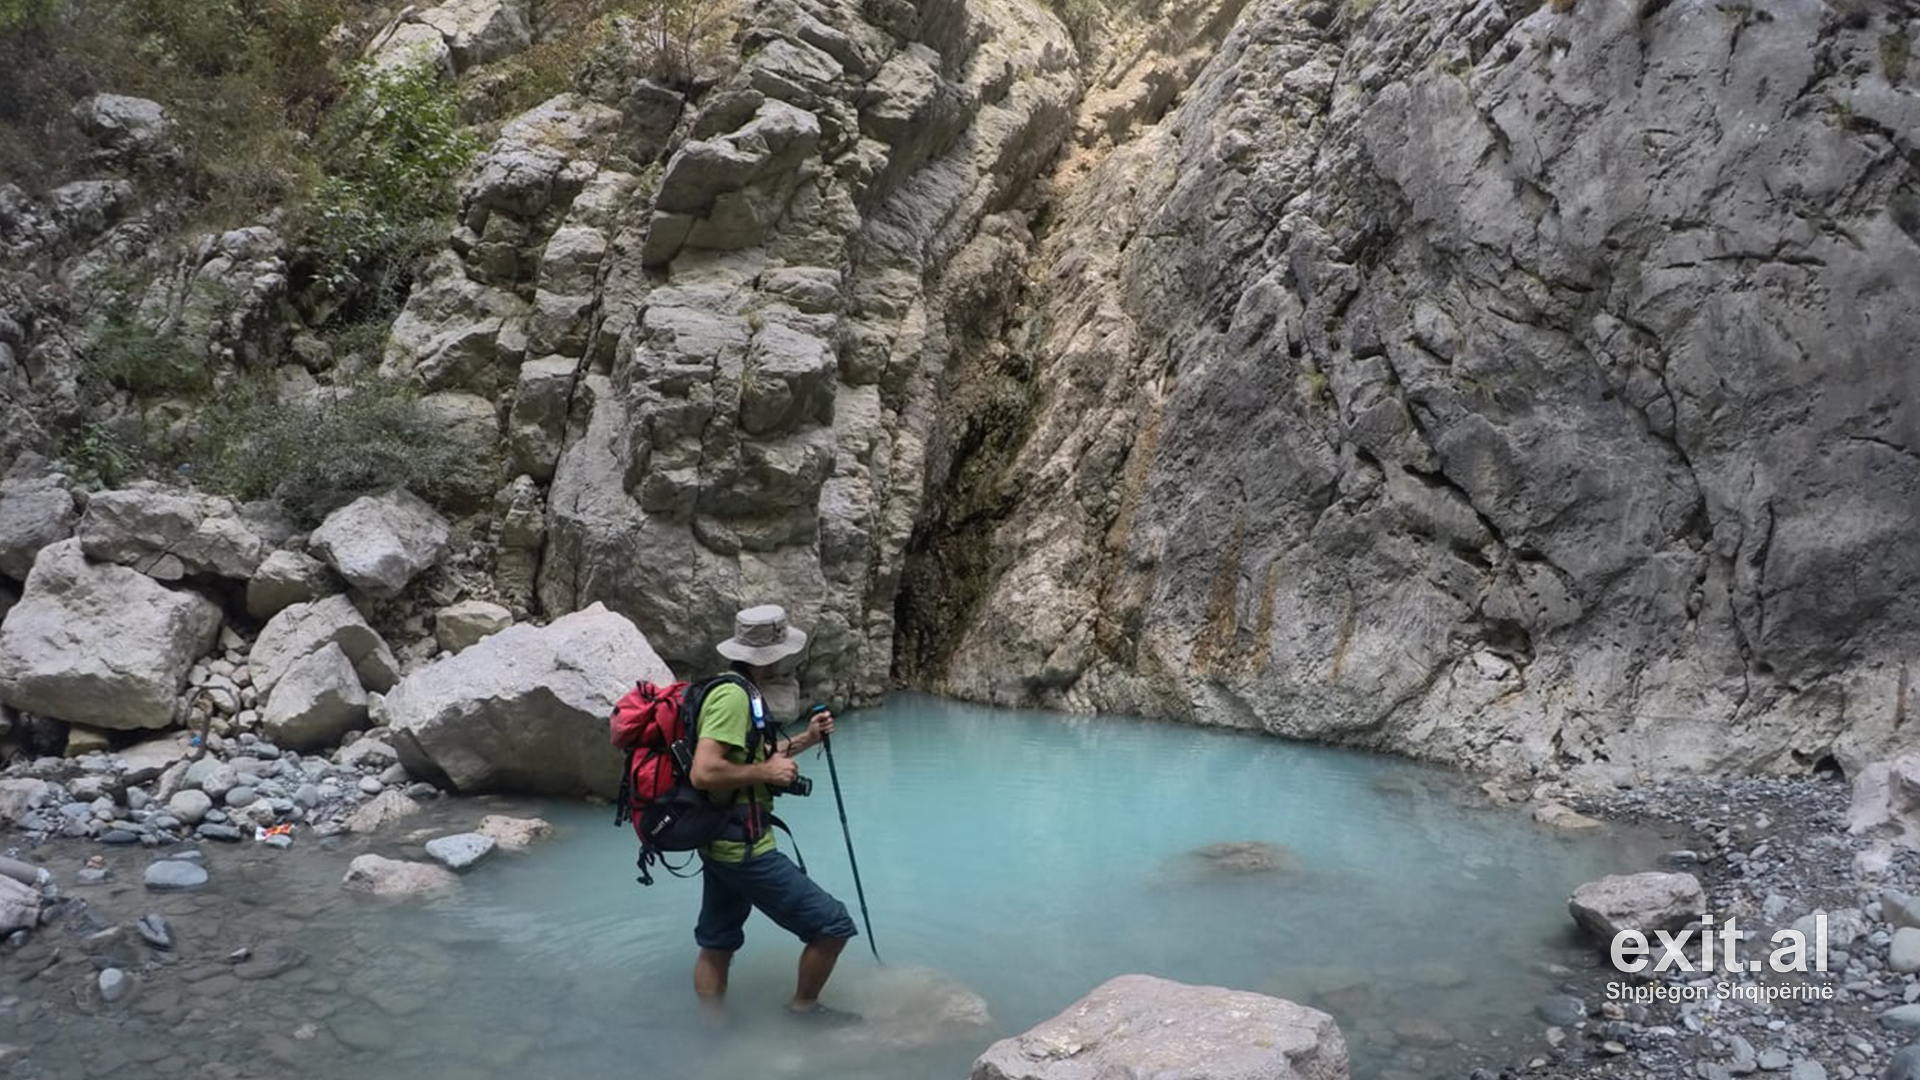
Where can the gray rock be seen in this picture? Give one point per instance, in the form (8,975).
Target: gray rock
(512,833)
(128,129)
(457,626)
(1903,955)
(318,700)
(169,535)
(212,776)
(408,44)
(481,31)
(1899,909)
(379,543)
(381,811)
(285,578)
(33,515)
(448,335)
(460,852)
(372,785)
(1902,1018)
(226,834)
(22,872)
(156,931)
(524,709)
(537,423)
(100,644)
(150,758)
(365,753)
(240,798)
(19,796)
(19,906)
(420,790)
(1137,1024)
(1774,1059)
(1644,902)
(301,629)
(1886,801)
(114,986)
(172,875)
(1905,1065)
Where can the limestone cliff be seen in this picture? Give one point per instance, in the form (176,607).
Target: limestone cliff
(1501,383)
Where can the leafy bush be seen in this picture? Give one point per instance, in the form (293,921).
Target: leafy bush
(98,457)
(396,144)
(321,452)
(24,14)
(129,355)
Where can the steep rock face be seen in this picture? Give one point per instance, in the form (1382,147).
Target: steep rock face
(1470,380)
(750,423)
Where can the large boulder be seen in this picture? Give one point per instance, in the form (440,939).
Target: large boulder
(1886,801)
(379,543)
(525,709)
(1643,902)
(128,129)
(100,644)
(481,31)
(1138,1025)
(33,514)
(318,700)
(306,628)
(286,578)
(170,535)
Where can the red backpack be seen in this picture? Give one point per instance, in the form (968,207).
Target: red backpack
(655,725)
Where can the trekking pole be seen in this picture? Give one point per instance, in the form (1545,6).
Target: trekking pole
(833,774)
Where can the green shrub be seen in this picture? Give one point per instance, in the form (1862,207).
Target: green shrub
(395,144)
(315,454)
(24,14)
(98,457)
(129,355)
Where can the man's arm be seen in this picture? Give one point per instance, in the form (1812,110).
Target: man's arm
(819,726)
(713,772)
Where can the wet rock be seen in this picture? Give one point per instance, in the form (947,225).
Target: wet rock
(372,785)
(34,514)
(460,852)
(1903,955)
(286,578)
(115,985)
(1557,816)
(1137,1024)
(318,700)
(381,811)
(155,930)
(1562,1010)
(379,543)
(170,535)
(221,832)
(19,906)
(422,790)
(1905,1065)
(101,644)
(514,833)
(301,629)
(459,625)
(380,876)
(1643,902)
(524,709)
(172,875)
(22,872)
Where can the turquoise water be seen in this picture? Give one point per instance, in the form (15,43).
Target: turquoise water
(1028,857)
(1012,861)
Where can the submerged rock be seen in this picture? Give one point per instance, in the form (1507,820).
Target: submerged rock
(172,875)
(1138,1025)
(514,833)
(380,876)
(462,851)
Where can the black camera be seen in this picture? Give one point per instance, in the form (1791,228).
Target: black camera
(800,786)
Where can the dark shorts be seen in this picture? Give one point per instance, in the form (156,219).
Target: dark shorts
(773,884)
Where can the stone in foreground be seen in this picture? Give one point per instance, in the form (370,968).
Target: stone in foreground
(526,709)
(101,644)
(316,702)
(19,906)
(379,543)
(1138,1025)
(460,852)
(173,875)
(514,833)
(301,629)
(380,876)
(1886,801)
(1644,902)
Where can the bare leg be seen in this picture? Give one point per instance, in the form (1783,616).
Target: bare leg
(710,980)
(816,965)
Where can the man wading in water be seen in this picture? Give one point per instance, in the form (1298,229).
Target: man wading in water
(743,870)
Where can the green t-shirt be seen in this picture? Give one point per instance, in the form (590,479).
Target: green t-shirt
(724,719)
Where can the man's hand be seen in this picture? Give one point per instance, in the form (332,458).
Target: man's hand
(819,726)
(778,771)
